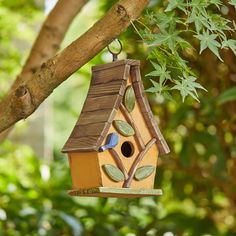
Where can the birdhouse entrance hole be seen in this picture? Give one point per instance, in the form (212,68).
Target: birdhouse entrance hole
(127,149)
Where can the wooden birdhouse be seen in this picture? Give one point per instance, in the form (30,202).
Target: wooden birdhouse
(114,146)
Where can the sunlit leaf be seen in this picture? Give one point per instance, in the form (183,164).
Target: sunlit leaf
(161,72)
(227,96)
(187,86)
(230,43)
(208,40)
(175,4)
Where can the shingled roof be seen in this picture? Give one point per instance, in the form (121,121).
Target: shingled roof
(104,97)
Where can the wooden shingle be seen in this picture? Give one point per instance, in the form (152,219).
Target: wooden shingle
(104,98)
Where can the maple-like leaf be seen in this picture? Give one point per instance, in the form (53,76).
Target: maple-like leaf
(230,43)
(208,40)
(161,72)
(187,86)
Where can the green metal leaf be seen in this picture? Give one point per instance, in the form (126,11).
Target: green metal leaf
(124,128)
(129,98)
(144,172)
(113,172)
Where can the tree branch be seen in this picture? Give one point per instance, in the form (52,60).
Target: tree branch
(50,36)
(57,69)
(48,41)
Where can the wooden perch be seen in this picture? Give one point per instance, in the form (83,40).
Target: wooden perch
(137,162)
(57,69)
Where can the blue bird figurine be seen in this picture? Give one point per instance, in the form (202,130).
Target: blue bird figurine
(111,142)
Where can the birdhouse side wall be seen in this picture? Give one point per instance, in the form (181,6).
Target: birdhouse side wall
(85,171)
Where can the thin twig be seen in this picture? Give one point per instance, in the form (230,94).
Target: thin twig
(132,23)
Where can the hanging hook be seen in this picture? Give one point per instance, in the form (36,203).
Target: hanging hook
(115,54)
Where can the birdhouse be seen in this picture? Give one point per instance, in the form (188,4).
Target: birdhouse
(114,146)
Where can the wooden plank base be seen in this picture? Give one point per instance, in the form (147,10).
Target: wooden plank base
(115,192)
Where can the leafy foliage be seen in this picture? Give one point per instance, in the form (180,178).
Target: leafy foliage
(12,41)
(169,33)
(228,95)
(197,177)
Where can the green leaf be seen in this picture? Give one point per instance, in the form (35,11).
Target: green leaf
(183,43)
(217,3)
(230,43)
(164,20)
(175,4)
(172,5)
(233,3)
(208,41)
(73,222)
(219,24)
(162,73)
(153,90)
(156,89)
(168,96)
(169,39)
(144,172)
(113,172)
(129,98)
(187,86)
(199,18)
(124,128)
(228,95)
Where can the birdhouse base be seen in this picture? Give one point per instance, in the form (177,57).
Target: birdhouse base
(115,192)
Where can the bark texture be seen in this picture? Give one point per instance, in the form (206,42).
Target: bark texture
(29,94)
(50,36)
(48,41)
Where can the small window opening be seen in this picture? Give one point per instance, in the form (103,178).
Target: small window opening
(127,149)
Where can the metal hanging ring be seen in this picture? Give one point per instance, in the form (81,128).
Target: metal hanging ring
(115,54)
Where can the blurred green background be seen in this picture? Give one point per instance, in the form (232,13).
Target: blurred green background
(197,177)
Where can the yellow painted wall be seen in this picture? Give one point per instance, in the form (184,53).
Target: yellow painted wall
(85,171)
(149,159)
